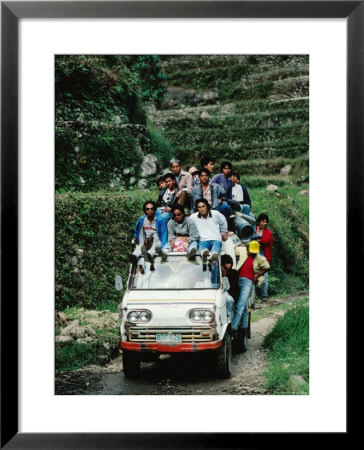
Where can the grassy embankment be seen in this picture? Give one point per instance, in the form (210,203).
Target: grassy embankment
(288,349)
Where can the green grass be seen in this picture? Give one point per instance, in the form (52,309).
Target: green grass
(73,356)
(288,357)
(258,314)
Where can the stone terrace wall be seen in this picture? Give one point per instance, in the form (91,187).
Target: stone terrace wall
(235,106)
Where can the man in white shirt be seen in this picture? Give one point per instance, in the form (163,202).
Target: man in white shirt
(212,228)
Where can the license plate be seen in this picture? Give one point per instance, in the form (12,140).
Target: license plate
(169,338)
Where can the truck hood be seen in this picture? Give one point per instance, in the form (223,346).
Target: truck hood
(159,297)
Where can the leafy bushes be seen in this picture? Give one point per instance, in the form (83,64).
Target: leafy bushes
(160,146)
(288,220)
(101,118)
(288,357)
(93,238)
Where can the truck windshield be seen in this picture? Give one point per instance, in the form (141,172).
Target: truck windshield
(177,273)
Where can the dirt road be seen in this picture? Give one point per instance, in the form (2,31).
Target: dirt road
(166,377)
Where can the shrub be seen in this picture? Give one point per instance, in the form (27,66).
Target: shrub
(93,238)
(288,345)
(160,146)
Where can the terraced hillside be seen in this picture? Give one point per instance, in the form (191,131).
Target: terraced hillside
(235,107)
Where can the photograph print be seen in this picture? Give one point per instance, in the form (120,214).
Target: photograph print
(182,224)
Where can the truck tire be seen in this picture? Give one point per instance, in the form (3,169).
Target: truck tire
(131,364)
(223,358)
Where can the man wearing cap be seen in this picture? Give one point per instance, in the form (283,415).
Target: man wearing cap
(253,267)
(195,178)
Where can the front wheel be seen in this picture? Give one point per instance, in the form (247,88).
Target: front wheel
(131,364)
(223,358)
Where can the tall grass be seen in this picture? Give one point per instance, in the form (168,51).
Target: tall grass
(288,357)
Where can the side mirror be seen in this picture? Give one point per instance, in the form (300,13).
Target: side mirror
(118,283)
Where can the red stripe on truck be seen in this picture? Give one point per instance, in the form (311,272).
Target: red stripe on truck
(172,348)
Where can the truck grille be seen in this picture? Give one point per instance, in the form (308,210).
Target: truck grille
(189,334)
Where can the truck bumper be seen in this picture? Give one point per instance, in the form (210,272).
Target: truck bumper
(171,348)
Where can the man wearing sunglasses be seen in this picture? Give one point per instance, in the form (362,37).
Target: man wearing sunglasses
(149,232)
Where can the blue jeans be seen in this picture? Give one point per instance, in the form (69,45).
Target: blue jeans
(241,307)
(162,215)
(168,249)
(213,246)
(245,209)
(225,210)
(264,286)
(229,304)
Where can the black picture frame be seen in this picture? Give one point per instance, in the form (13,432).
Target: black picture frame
(11,12)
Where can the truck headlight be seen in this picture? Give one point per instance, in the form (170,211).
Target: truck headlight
(201,315)
(139,316)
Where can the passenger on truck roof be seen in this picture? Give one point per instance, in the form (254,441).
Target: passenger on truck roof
(182,235)
(160,183)
(212,192)
(240,194)
(223,178)
(149,232)
(207,162)
(184,182)
(195,178)
(212,228)
(168,197)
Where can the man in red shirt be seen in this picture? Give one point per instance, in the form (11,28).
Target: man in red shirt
(265,238)
(247,277)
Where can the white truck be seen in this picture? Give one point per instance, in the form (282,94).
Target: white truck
(175,306)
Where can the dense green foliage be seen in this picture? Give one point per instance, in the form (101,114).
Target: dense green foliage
(93,237)
(288,214)
(160,146)
(288,357)
(101,122)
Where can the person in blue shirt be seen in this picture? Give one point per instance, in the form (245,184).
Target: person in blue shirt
(223,178)
(212,192)
(149,232)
